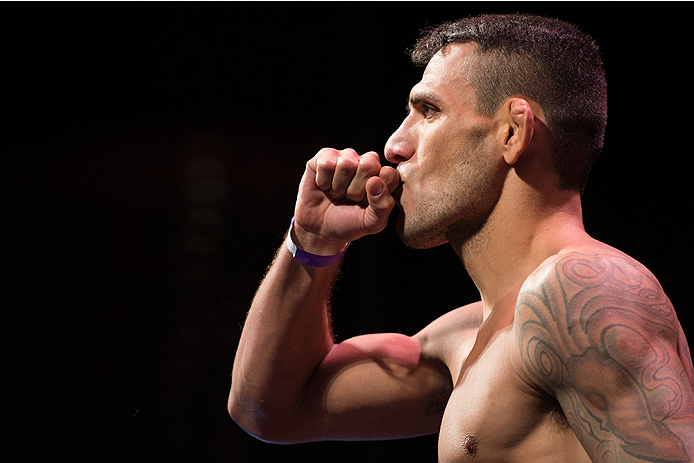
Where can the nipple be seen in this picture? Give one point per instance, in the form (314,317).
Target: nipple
(470,445)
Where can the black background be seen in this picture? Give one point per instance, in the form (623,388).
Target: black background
(151,157)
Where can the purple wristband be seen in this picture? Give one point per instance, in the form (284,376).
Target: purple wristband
(306,258)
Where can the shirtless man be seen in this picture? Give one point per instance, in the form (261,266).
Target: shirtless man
(573,353)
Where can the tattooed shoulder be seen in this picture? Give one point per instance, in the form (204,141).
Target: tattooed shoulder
(596,331)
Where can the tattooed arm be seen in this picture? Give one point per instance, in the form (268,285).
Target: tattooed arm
(597,332)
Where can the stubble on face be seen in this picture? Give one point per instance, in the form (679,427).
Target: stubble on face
(458,211)
(454,178)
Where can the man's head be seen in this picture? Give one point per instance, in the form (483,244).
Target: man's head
(453,161)
(545,60)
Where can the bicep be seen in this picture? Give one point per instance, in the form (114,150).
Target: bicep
(377,386)
(601,336)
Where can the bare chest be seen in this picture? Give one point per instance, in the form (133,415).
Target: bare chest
(493,415)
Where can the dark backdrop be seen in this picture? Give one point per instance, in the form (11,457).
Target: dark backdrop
(151,157)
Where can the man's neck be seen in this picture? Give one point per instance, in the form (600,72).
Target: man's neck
(517,238)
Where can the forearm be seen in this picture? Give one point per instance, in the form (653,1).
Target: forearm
(285,337)
(342,197)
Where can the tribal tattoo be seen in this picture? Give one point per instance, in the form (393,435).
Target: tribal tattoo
(598,332)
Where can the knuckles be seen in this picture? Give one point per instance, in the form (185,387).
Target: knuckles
(370,164)
(343,174)
(348,161)
(326,159)
(330,160)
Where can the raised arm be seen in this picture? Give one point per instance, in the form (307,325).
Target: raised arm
(597,332)
(290,382)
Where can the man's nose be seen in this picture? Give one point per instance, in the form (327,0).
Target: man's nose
(399,147)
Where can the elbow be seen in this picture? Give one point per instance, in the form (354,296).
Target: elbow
(263,425)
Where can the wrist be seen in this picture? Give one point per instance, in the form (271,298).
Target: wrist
(312,250)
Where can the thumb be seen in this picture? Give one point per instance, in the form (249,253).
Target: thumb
(391,177)
(381,203)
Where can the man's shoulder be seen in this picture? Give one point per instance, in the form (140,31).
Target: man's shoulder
(459,326)
(592,271)
(463,318)
(596,330)
(591,299)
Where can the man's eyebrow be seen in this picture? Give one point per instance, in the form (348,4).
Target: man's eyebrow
(419,96)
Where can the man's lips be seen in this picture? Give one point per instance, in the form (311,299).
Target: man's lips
(397,193)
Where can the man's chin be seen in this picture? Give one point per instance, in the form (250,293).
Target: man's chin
(417,237)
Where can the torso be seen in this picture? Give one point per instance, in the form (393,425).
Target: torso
(494,414)
(499,412)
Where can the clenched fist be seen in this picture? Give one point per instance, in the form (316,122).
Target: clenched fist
(342,197)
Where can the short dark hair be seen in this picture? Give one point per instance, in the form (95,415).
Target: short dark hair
(543,59)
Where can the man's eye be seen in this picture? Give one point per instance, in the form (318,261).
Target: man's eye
(428,110)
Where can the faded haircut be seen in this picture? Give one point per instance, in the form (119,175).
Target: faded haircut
(542,59)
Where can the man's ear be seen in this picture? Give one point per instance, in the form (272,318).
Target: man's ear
(519,123)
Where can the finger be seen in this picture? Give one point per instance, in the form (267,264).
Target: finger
(324,164)
(391,177)
(345,168)
(381,203)
(369,166)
